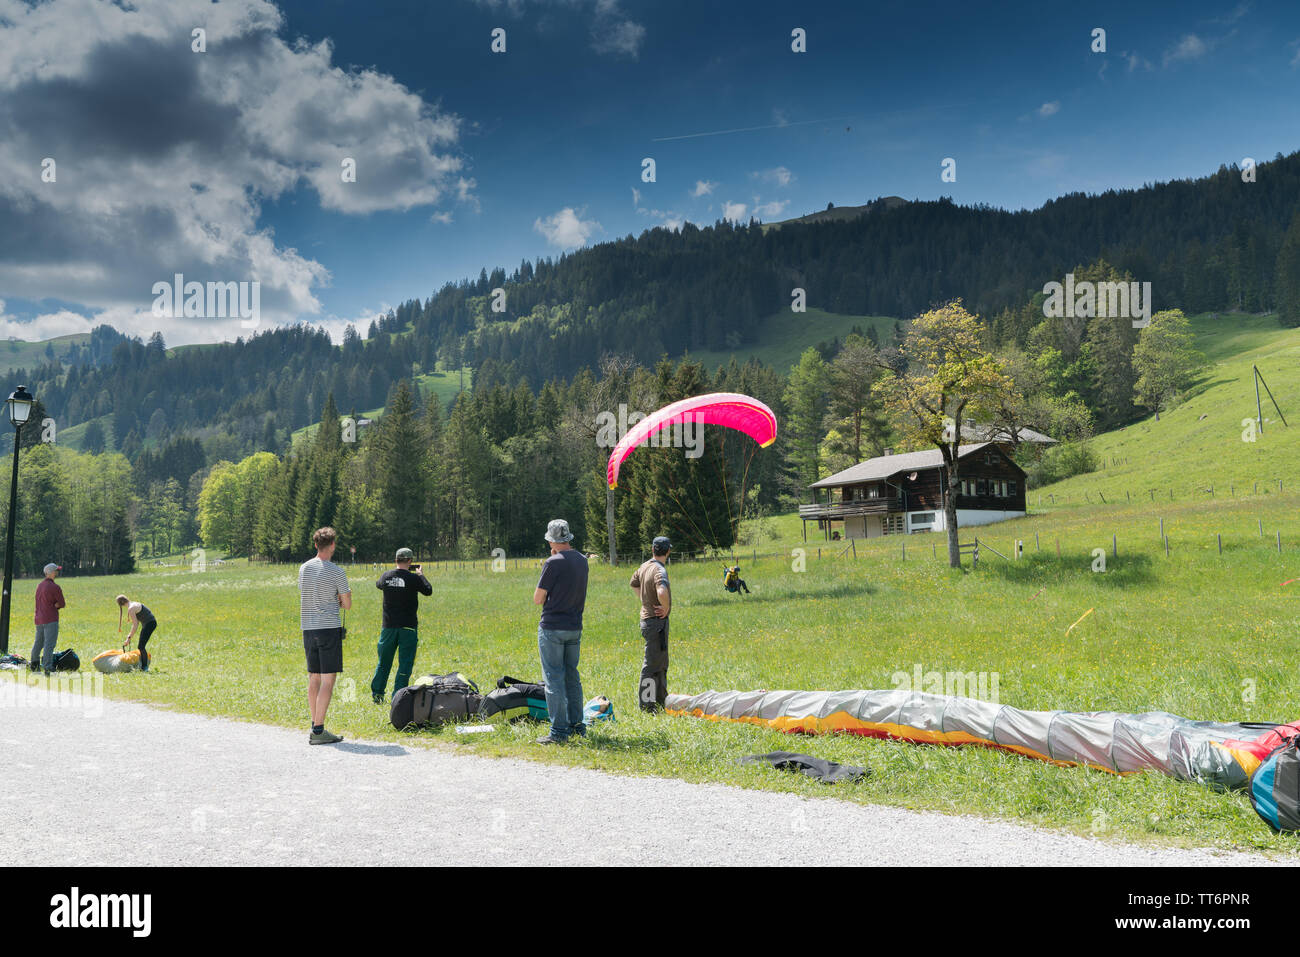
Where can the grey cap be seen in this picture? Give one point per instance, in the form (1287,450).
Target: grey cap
(51,567)
(405,555)
(661,544)
(558,531)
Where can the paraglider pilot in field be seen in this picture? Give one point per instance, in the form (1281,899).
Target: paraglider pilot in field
(562,593)
(732,581)
(142,619)
(650,581)
(402,587)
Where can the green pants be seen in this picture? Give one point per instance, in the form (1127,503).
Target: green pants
(403,641)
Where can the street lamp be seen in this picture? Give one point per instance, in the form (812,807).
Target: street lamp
(20,404)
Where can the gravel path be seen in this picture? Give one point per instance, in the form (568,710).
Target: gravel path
(82,788)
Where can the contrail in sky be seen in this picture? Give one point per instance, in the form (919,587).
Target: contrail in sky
(750,129)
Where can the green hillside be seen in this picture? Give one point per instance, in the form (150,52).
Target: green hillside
(20,354)
(1199,445)
(783,336)
(445,385)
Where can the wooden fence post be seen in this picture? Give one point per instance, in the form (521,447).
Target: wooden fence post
(1219,536)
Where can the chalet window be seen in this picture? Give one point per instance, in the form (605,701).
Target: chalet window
(873,491)
(981,487)
(1011,489)
(988,458)
(922,518)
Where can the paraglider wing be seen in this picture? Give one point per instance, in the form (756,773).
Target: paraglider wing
(730,409)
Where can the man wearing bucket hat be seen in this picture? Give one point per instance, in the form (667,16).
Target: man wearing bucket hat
(562,593)
(49,599)
(650,582)
(402,587)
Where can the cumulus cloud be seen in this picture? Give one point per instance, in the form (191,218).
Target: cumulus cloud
(774,208)
(1050,109)
(735,212)
(164,156)
(779,175)
(703,187)
(1189,47)
(566,229)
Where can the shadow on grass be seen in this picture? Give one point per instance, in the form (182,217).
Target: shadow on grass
(645,743)
(832,590)
(1045,569)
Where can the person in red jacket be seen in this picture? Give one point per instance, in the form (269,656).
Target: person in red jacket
(49,599)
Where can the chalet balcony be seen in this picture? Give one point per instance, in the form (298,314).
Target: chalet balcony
(838,510)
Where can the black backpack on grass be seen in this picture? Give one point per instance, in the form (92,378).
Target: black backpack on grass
(434,700)
(515,700)
(67,660)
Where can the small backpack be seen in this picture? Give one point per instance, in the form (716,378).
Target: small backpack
(433,700)
(515,700)
(67,660)
(1275,787)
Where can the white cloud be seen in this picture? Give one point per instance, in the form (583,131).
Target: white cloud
(779,175)
(636,196)
(1190,47)
(612,33)
(735,212)
(703,187)
(566,229)
(774,208)
(164,156)
(1050,109)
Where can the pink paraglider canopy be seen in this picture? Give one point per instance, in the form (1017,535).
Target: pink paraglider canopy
(740,412)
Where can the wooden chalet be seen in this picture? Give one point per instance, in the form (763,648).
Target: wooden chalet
(902,494)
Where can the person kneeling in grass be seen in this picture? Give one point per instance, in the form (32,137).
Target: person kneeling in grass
(402,587)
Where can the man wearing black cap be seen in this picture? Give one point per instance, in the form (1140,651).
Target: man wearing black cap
(650,581)
(402,587)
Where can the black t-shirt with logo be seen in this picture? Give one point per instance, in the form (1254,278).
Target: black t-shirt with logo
(402,590)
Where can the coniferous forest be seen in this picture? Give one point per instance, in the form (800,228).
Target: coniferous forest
(197,445)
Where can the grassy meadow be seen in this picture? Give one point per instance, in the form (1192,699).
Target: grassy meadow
(1196,634)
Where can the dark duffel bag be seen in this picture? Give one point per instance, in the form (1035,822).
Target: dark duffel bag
(67,660)
(433,700)
(515,700)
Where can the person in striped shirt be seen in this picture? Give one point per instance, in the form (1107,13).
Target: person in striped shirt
(323,590)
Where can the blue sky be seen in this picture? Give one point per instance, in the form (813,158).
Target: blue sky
(539,149)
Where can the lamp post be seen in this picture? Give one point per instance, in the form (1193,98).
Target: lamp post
(20,407)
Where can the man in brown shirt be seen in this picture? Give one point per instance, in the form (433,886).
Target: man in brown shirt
(650,581)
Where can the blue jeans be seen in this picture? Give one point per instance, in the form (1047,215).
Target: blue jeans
(559,650)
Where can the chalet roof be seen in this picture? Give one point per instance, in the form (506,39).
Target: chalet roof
(883,466)
(997,433)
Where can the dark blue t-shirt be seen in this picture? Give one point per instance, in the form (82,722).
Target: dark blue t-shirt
(564,576)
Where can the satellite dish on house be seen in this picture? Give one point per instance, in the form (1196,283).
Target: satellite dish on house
(912,477)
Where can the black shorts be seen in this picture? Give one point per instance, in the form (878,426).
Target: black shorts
(324,647)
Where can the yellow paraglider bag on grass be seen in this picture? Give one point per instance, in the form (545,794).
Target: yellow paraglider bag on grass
(115,660)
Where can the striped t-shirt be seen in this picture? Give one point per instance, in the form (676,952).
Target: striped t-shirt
(320,583)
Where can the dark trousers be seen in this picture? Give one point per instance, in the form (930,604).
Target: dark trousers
(145,632)
(653,691)
(404,642)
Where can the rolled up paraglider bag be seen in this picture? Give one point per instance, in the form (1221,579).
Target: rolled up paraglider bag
(115,661)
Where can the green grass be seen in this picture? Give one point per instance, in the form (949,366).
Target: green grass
(783,337)
(1183,634)
(1199,443)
